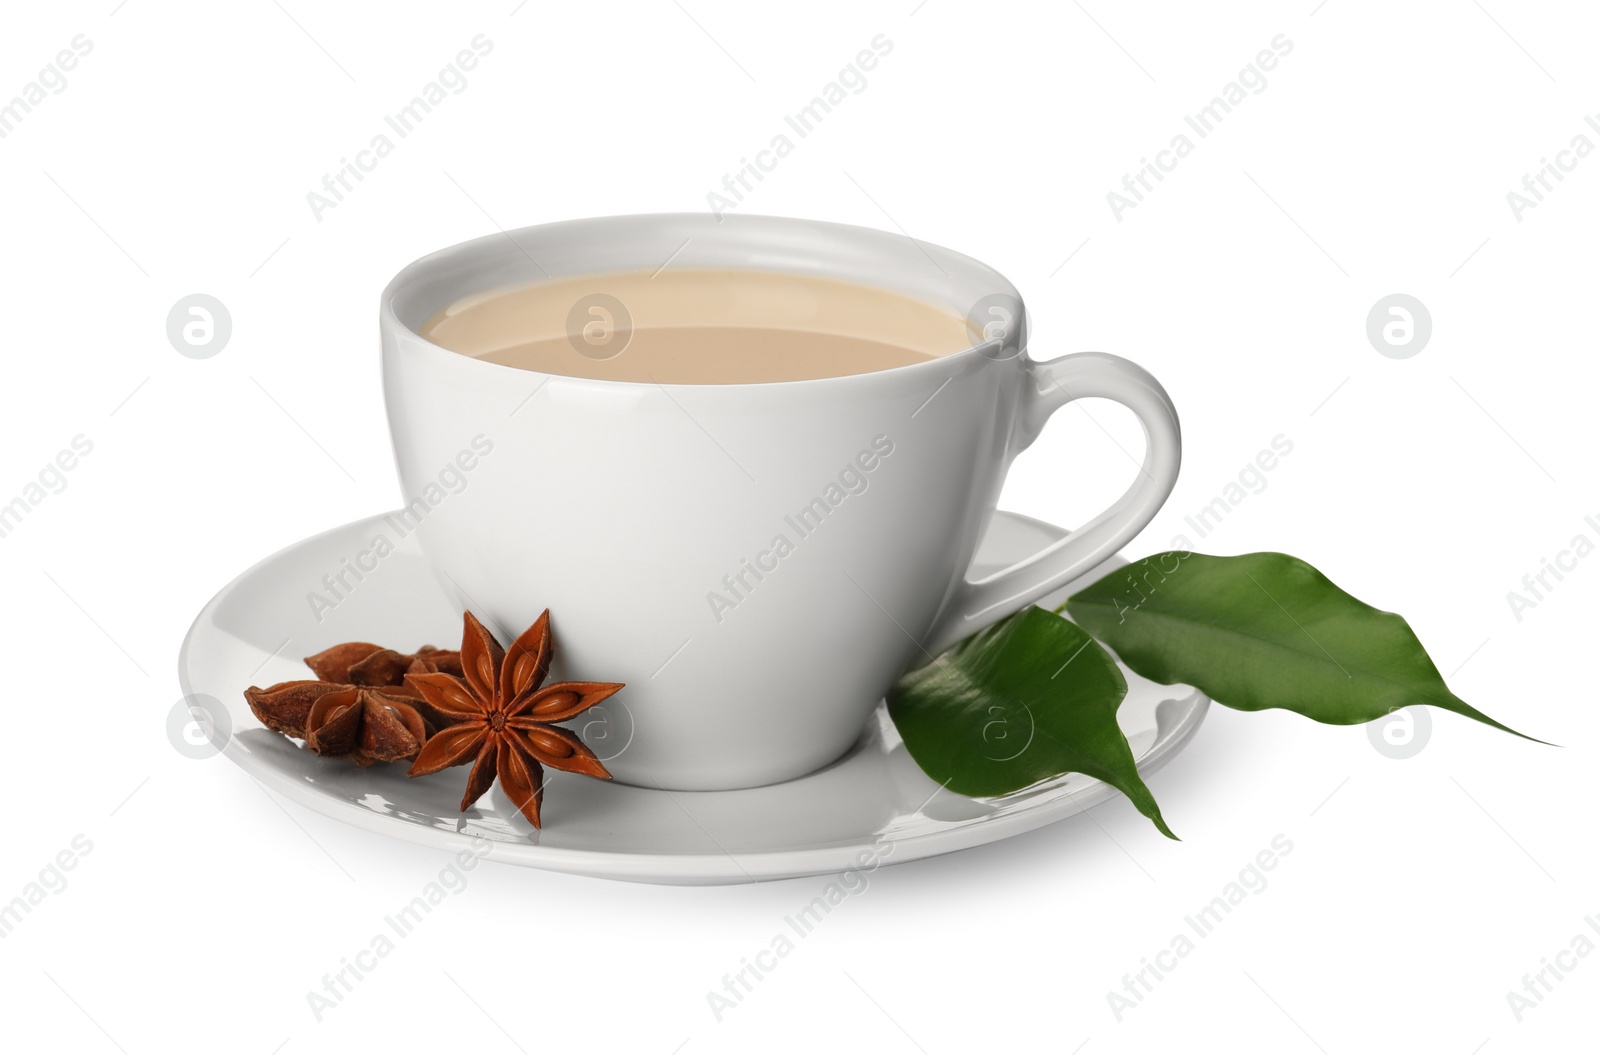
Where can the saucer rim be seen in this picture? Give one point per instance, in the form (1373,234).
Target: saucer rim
(712,868)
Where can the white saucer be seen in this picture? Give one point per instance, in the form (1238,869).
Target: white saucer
(814,825)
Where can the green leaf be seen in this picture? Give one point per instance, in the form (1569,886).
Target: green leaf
(1263,630)
(1028,699)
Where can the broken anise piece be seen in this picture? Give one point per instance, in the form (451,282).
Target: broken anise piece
(388,721)
(283,707)
(361,663)
(505,717)
(365,724)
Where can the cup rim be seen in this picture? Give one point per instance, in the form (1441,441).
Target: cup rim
(423,266)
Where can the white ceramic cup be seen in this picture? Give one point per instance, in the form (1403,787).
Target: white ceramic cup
(625,508)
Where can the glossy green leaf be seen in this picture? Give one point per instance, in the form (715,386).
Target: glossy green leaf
(1028,699)
(1263,630)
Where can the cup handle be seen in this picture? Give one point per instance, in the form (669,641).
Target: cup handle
(1051,386)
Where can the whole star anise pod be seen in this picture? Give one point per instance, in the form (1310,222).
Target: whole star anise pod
(504,715)
(359,707)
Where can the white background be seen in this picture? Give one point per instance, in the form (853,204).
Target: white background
(1376,160)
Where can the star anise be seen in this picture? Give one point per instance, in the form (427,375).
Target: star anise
(360,706)
(365,724)
(360,663)
(505,715)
